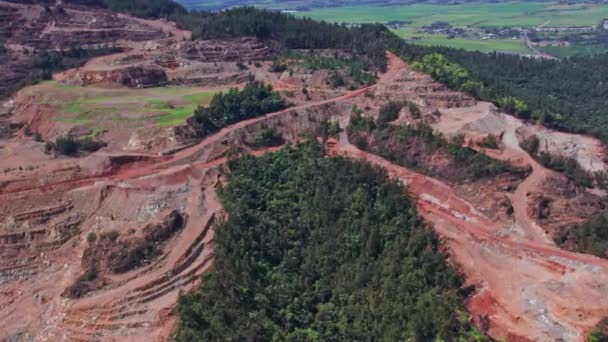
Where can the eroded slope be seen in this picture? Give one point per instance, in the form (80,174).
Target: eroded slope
(526,287)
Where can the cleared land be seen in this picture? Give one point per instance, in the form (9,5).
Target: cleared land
(95,107)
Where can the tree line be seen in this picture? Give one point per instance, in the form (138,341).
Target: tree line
(235,105)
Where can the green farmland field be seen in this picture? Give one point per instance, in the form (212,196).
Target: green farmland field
(490,45)
(467,16)
(510,14)
(472,17)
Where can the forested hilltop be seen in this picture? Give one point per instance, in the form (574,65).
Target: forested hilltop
(318,249)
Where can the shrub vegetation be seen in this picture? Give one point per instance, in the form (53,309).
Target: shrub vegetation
(236,105)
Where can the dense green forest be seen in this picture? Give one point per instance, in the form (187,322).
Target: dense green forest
(145,8)
(568,94)
(322,249)
(253,100)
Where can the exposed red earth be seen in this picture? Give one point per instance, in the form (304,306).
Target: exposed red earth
(526,287)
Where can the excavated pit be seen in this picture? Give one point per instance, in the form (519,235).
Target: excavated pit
(525,287)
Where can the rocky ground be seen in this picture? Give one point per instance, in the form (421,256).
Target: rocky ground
(57,213)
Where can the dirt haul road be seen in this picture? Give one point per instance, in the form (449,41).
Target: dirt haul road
(526,287)
(105,190)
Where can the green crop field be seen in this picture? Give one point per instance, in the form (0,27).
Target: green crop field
(97,108)
(468,17)
(510,14)
(490,45)
(471,17)
(572,50)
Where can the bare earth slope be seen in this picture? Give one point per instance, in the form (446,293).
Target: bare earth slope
(527,289)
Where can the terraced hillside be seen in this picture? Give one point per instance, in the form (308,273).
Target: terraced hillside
(100,245)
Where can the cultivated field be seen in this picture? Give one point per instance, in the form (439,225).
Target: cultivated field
(469,17)
(490,45)
(509,14)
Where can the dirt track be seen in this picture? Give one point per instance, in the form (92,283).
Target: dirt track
(527,287)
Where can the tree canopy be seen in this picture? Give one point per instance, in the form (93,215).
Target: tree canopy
(318,249)
(236,105)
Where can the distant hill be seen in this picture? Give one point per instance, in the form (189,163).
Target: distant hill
(140,8)
(302,5)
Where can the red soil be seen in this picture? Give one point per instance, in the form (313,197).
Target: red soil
(527,289)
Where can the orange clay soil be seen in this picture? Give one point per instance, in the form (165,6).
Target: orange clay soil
(527,289)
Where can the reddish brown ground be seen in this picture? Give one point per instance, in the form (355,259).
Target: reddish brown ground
(527,289)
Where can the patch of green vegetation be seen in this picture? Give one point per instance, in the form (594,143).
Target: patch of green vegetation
(470,17)
(255,99)
(97,108)
(505,14)
(73,147)
(568,166)
(403,145)
(487,45)
(342,66)
(572,50)
(390,112)
(175,117)
(600,332)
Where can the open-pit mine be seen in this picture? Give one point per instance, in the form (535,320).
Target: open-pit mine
(154,180)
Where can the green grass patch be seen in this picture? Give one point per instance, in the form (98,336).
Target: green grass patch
(572,50)
(471,17)
(508,14)
(489,45)
(101,108)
